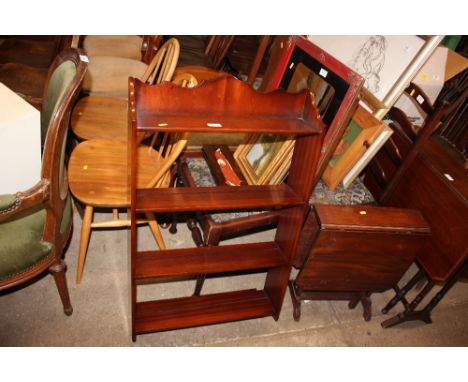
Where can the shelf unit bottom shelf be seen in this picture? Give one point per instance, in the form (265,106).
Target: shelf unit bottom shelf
(184,312)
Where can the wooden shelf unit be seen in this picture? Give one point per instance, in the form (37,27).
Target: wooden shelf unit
(230,106)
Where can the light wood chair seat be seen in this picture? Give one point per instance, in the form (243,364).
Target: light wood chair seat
(117,46)
(98,172)
(97,117)
(108,76)
(104,117)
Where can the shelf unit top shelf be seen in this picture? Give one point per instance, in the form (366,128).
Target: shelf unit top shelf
(160,200)
(207,123)
(224,105)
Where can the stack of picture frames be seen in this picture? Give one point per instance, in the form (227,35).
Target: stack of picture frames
(388,64)
(337,70)
(265,159)
(296,64)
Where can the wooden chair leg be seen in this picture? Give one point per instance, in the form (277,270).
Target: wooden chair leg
(176,182)
(212,240)
(58,271)
(85,233)
(195,231)
(199,284)
(155,230)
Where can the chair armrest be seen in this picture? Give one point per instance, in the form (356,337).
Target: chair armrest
(11,205)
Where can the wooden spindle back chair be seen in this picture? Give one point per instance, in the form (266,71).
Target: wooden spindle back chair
(104,117)
(98,171)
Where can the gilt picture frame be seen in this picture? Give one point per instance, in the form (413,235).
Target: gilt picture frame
(265,158)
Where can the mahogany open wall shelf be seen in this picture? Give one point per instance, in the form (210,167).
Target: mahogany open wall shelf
(224,105)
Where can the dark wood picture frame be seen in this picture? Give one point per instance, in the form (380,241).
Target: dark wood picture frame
(346,82)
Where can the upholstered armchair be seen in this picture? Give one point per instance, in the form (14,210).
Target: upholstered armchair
(35,225)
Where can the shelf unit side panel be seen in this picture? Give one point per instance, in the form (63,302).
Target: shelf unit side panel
(132,166)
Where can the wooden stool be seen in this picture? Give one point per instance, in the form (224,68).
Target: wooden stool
(350,252)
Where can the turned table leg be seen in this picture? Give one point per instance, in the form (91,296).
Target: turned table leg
(295,300)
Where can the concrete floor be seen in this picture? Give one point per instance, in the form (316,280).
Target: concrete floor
(33,316)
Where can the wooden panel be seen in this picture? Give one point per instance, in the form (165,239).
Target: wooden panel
(215,198)
(446,161)
(204,260)
(425,188)
(201,310)
(348,261)
(367,218)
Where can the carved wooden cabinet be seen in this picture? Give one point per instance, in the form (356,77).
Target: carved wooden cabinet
(224,105)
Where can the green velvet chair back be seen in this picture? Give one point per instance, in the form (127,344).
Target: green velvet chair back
(62,87)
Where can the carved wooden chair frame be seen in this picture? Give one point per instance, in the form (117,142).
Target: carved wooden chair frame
(52,190)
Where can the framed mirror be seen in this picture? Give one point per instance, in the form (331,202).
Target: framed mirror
(297,64)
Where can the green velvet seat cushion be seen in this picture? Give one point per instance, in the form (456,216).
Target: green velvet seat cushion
(21,245)
(108,76)
(117,46)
